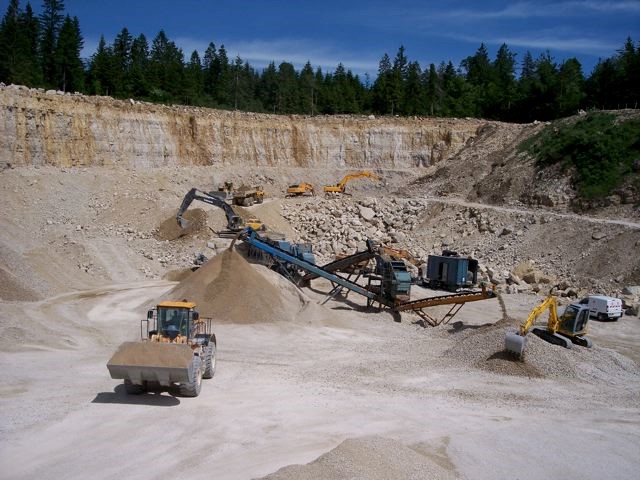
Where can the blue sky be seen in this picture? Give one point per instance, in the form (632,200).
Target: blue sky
(357,33)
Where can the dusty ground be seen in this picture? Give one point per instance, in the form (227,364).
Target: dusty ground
(287,392)
(354,394)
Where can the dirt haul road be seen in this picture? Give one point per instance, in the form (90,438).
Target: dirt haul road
(285,393)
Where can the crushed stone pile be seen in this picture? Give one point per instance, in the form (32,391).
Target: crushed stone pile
(483,347)
(367,458)
(170,230)
(228,289)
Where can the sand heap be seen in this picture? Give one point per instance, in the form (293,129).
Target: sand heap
(367,458)
(11,288)
(170,230)
(228,289)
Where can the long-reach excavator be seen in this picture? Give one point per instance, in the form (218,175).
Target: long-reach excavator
(235,223)
(340,186)
(563,330)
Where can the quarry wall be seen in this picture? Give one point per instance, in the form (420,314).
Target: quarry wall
(52,128)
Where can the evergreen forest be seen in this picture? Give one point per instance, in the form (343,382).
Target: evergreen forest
(43,50)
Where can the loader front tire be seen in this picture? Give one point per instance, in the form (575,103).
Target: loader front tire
(192,387)
(209,361)
(132,388)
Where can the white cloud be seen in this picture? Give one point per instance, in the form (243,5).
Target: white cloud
(587,46)
(540,9)
(259,53)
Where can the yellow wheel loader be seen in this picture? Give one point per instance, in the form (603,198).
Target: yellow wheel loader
(176,347)
(563,330)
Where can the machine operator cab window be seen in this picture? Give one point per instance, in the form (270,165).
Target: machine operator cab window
(173,322)
(574,319)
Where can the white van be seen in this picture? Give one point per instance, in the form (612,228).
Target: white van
(603,308)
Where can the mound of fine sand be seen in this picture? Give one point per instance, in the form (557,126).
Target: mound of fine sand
(228,289)
(11,288)
(367,458)
(170,230)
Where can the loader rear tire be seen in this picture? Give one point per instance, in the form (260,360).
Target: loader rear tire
(209,361)
(132,388)
(192,387)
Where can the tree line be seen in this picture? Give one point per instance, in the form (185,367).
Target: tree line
(44,51)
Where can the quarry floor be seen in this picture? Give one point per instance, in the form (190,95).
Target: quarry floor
(285,393)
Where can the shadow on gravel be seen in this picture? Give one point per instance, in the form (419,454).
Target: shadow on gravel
(153,398)
(459,326)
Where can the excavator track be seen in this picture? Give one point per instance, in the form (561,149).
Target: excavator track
(554,338)
(582,341)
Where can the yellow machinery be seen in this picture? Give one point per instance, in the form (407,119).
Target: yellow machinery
(399,254)
(247,196)
(235,223)
(340,186)
(176,347)
(563,330)
(300,189)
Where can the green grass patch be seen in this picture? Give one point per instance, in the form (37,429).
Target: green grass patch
(601,148)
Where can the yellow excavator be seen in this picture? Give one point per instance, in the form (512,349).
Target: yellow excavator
(177,347)
(563,330)
(340,186)
(300,189)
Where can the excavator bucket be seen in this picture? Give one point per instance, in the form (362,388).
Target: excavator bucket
(514,343)
(140,362)
(184,223)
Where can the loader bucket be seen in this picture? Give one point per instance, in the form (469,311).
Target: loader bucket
(140,362)
(514,343)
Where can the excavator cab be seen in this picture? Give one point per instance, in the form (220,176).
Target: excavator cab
(574,320)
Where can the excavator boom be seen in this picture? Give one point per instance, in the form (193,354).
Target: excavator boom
(234,222)
(340,186)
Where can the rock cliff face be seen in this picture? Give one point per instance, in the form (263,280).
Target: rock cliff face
(51,128)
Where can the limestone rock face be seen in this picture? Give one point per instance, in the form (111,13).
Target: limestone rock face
(51,128)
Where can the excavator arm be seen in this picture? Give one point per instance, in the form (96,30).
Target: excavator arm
(549,303)
(234,222)
(339,187)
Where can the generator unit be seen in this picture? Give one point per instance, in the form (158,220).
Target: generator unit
(450,271)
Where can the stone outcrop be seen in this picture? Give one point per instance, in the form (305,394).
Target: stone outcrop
(58,129)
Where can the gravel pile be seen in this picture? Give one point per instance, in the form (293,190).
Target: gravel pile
(367,458)
(483,347)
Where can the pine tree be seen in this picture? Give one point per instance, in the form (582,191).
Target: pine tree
(223,79)
(9,43)
(287,101)
(413,94)
(69,68)
(571,93)
(138,82)
(307,89)
(122,63)
(502,89)
(100,74)
(432,91)
(382,97)
(193,80)
(208,66)
(51,20)
(31,73)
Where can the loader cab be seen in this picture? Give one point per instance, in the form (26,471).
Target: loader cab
(175,318)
